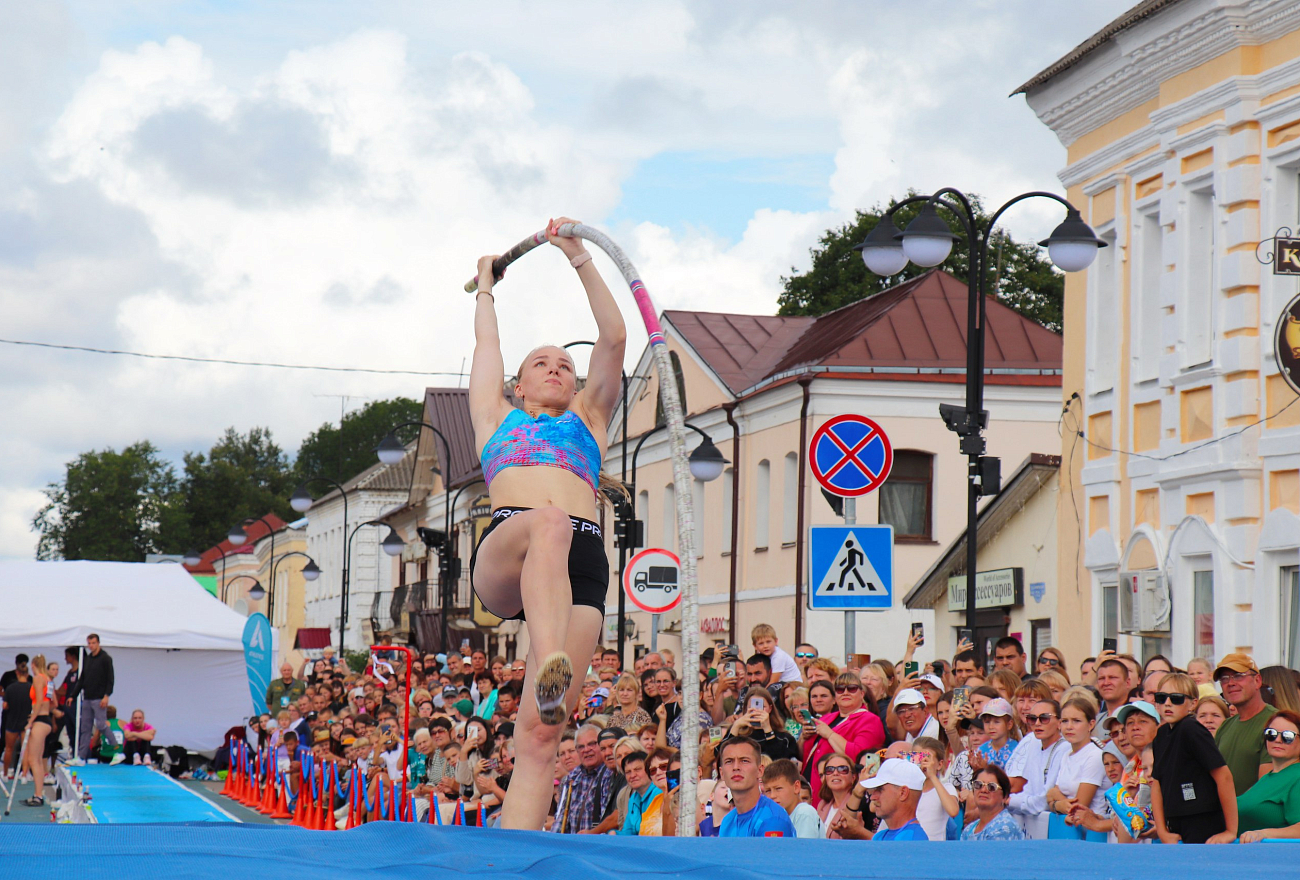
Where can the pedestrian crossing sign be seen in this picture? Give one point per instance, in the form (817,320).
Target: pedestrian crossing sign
(852,568)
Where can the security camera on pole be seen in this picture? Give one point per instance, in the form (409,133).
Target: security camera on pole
(852,565)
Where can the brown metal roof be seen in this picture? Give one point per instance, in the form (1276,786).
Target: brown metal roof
(917,325)
(1145,9)
(741,349)
(380,477)
(447,409)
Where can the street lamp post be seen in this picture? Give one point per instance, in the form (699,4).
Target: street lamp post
(927,241)
(310,571)
(392,545)
(390,452)
(256,587)
(706,463)
(301,501)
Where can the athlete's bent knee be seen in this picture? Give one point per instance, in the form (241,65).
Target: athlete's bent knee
(551,525)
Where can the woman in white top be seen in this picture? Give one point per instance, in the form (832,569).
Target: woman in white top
(1082,780)
(938,802)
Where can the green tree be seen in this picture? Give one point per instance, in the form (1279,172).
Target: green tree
(342,452)
(242,476)
(114,506)
(1019,273)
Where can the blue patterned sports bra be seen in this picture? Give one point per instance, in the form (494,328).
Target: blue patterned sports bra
(521,440)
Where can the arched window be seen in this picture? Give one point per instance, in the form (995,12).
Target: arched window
(728,480)
(790,499)
(669,541)
(681,390)
(762,503)
(697,499)
(905,496)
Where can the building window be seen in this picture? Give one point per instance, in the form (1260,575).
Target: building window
(697,498)
(1290,615)
(763,502)
(660,418)
(670,519)
(643,514)
(1198,304)
(1040,635)
(1147,309)
(728,484)
(1110,611)
(1203,614)
(790,499)
(905,496)
(1103,307)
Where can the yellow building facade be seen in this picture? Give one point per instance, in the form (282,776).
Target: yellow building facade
(1178,527)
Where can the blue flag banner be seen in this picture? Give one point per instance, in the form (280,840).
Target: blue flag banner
(257,657)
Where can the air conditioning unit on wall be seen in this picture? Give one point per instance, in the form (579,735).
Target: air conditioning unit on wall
(1144,602)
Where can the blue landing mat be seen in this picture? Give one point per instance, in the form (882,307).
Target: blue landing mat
(131,795)
(387,850)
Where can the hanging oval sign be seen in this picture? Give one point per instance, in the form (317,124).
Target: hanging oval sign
(1286,344)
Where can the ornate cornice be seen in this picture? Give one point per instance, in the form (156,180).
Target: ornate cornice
(1128,70)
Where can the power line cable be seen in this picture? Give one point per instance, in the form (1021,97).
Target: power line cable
(200,360)
(1086,439)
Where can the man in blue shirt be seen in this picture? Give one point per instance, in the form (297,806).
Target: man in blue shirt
(753,814)
(895,791)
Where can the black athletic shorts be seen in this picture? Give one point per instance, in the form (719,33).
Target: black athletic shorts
(588,564)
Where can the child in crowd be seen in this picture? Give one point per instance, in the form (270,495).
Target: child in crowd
(1193,796)
(998,724)
(783,666)
(781,783)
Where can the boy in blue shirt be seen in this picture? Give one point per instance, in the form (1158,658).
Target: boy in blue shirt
(753,814)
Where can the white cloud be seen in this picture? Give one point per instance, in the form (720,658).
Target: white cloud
(326,206)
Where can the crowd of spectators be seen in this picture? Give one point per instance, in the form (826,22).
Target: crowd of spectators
(793,745)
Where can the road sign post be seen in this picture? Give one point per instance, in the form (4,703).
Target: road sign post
(851,456)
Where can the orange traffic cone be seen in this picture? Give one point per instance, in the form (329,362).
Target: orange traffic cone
(300,804)
(325,814)
(230,773)
(353,818)
(281,810)
(266,806)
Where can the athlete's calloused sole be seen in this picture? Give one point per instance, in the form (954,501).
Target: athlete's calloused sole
(550,687)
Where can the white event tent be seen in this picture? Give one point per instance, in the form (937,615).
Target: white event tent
(177,652)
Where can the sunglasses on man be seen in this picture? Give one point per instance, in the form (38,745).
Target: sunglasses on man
(806,655)
(1273,735)
(1175,699)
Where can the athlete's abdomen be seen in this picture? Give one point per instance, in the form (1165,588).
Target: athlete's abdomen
(543,486)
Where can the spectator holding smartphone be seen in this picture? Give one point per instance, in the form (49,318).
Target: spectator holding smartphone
(1193,798)
(895,793)
(761,722)
(850,730)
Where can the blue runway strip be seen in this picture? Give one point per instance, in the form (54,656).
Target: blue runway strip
(126,794)
(387,850)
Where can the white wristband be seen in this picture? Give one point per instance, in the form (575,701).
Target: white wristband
(580,260)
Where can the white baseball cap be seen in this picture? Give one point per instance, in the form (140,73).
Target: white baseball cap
(909,697)
(896,771)
(933,681)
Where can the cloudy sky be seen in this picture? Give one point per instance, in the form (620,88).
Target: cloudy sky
(312,183)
